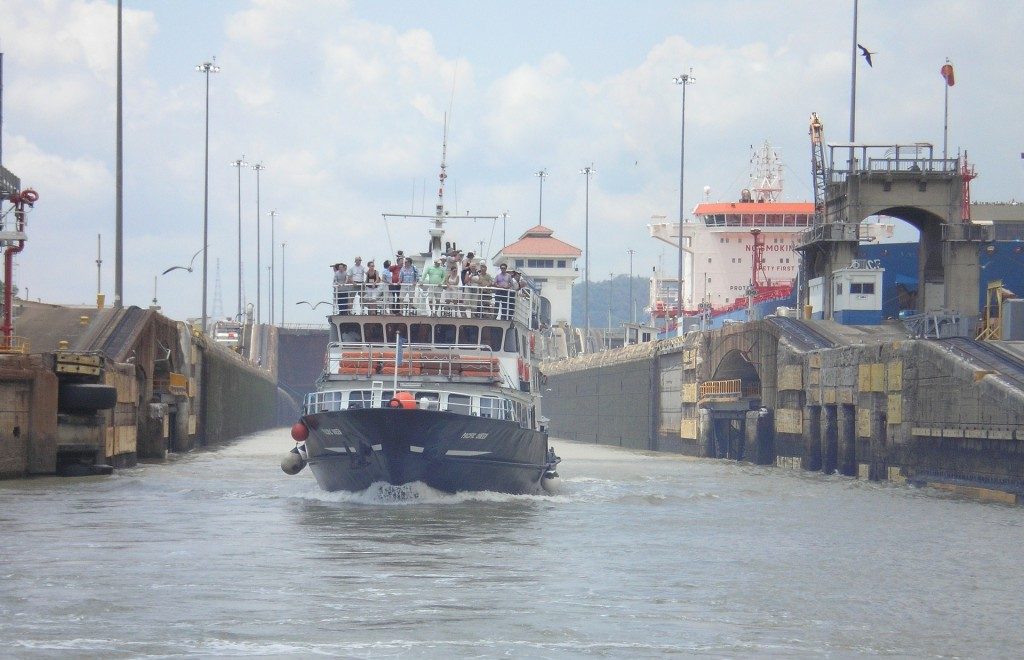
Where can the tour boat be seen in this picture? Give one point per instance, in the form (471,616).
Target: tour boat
(428,384)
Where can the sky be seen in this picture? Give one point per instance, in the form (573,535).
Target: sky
(345,105)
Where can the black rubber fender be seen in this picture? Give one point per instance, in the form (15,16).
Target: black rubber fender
(86,397)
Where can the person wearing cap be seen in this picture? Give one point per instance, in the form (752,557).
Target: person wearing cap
(503,282)
(341,293)
(433,278)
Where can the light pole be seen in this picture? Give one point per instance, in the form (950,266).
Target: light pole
(282,283)
(684,80)
(270,300)
(259,167)
(947,74)
(206,68)
(587,172)
(632,307)
(119,182)
(240,163)
(504,221)
(542,174)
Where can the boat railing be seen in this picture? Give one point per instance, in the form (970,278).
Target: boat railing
(436,300)
(452,361)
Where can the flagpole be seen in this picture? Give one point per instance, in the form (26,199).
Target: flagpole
(945,118)
(398,353)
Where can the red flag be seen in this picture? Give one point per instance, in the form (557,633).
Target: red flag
(947,73)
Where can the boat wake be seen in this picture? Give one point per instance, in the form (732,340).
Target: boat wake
(418,493)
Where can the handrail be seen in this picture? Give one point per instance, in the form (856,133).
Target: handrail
(435,300)
(14,345)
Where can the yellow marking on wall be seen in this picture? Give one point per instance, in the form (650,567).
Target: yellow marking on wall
(864,471)
(847,396)
(688,429)
(895,476)
(864,377)
(977,493)
(688,392)
(828,396)
(863,423)
(894,411)
(120,440)
(895,375)
(814,359)
(877,377)
(791,377)
(789,421)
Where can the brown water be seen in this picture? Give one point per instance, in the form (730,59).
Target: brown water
(220,553)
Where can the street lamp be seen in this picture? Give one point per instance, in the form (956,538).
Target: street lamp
(632,306)
(206,68)
(259,167)
(270,300)
(684,80)
(542,174)
(240,163)
(588,172)
(282,284)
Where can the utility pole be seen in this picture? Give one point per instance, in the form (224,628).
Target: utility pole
(239,164)
(99,264)
(206,68)
(119,184)
(632,307)
(542,174)
(259,167)
(272,215)
(683,80)
(588,171)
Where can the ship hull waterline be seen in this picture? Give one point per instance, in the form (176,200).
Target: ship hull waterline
(351,450)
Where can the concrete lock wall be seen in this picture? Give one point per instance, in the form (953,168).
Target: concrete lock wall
(237,398)
(28,417)
(892,410)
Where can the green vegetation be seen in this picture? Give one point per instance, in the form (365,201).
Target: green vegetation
(610,294)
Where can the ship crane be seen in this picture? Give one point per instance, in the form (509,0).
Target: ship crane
(818,170)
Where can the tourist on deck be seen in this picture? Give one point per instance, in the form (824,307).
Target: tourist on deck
(357,278)
(391,277)
(432,280)
(451,297)
(485,293)
(375,288)
(503,284)
(408,276)
(341,289)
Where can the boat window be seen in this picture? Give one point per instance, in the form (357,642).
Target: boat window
(392,330)
(331,401)
(373,332)
(385,398)
(509,409)
(460,403)
(420,333)
(839,288)
(427,400)
(359,399)
(510,341)
(490,335)
(444,333)
(349,332)
(561,263)
(469,334)
(490,407)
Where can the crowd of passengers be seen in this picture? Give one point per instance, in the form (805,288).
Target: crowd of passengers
(456,284)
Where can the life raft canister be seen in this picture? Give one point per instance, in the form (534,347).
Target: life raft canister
(403,400)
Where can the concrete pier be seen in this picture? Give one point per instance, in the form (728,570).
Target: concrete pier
(98,386)
(858,401)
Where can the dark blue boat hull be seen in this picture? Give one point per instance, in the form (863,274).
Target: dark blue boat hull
(352,449)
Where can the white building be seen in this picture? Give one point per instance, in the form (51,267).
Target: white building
(551,265)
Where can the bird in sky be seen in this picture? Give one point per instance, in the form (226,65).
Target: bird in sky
(867,54)
(312,306)
(188,267)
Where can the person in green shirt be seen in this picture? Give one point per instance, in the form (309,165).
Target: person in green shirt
(433,277)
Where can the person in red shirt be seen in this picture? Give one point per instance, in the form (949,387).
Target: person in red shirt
(394,283)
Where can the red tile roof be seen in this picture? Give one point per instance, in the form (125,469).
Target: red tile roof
(538,241)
